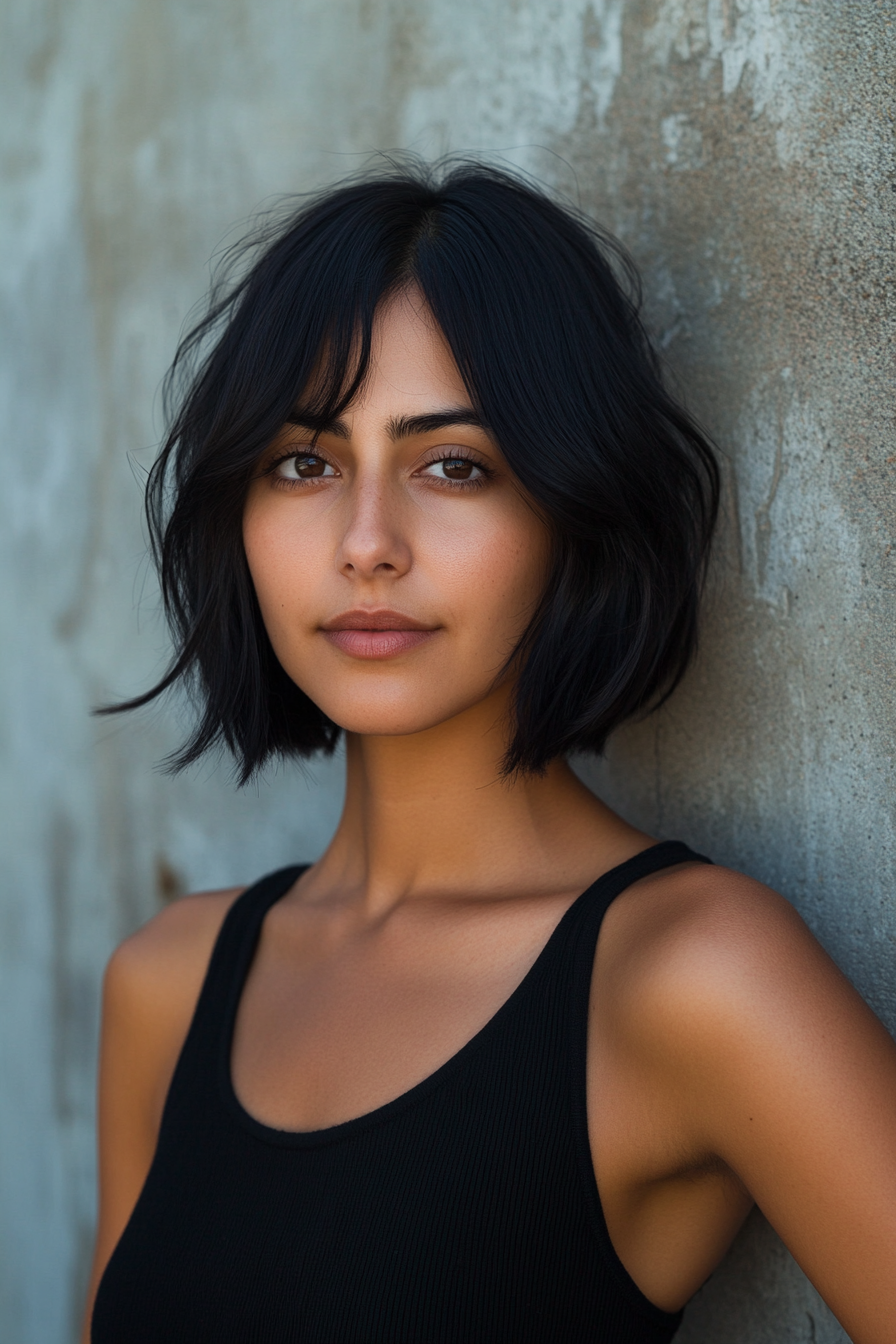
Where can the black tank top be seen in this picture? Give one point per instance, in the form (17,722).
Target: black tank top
(465,1211)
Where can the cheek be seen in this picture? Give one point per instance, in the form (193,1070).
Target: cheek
(283,559)
(493,572)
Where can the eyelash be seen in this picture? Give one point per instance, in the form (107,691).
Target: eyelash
(477,483)
(283,483)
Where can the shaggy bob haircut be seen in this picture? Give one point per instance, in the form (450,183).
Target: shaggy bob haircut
(556,362)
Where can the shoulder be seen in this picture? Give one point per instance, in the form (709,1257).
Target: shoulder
(716,993)
(173,947)
(158,971)
(700,954)
(152,984)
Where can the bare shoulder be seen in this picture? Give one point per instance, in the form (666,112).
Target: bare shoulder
(151,987)
(160,968)
(186,928)
(692,915)
(702,956)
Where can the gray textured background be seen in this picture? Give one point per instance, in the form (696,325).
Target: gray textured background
(743,149)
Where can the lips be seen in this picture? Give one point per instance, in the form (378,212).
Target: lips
(376,634)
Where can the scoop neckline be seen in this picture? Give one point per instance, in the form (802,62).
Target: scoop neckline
(379,1115)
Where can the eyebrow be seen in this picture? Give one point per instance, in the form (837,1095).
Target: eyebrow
(401,426)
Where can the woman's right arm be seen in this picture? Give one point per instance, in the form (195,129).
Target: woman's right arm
(150,991)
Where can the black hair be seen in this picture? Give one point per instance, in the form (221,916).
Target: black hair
(558,365)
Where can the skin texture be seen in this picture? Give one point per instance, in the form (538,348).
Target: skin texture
(729,1060)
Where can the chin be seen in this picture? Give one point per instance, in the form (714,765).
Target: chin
(400,714)
(373,728)
(379,724)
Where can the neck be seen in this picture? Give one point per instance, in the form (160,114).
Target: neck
(429,813)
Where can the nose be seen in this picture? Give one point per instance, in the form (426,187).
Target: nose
(374,543)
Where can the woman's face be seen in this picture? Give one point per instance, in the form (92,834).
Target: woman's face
(396,560)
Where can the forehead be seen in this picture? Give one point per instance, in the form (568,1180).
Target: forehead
(411,364)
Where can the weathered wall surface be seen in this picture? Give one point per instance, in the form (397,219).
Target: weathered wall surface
(743,149)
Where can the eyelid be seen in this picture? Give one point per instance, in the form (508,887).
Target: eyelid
(297,450)
(441,453)
(457,452)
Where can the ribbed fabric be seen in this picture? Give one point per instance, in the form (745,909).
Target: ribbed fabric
(464,1212)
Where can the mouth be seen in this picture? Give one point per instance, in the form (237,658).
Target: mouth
(376,634)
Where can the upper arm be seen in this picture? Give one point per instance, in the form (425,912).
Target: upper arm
(786,1075)
(150,990)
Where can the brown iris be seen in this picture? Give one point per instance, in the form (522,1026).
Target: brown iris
(457,468)
(309,466)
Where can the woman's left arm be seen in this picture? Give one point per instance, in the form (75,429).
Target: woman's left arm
(792,1082)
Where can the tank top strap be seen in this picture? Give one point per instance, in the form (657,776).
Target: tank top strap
(587,914)
(572,975)
(205,1050)
(593,904)
(238,938)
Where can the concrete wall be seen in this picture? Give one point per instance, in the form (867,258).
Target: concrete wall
(742,149)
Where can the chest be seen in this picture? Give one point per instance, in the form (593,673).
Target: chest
(335,1021)
(463,1211)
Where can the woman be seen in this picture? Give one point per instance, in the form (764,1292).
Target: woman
(427,490)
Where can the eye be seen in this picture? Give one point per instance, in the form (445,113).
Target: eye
(455,469)
(303,467)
